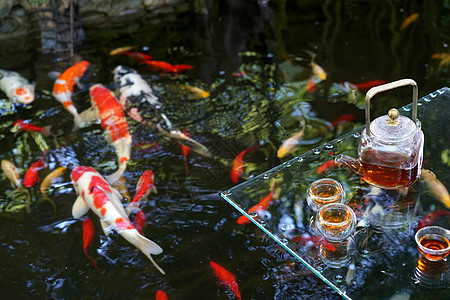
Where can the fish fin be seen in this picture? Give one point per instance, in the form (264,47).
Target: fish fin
(116,175)
(79,208)
(154,190)
(46,198)
(106,228)
(87,116)
(46,131)
(148,247)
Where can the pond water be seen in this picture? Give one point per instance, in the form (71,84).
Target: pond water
(254,59)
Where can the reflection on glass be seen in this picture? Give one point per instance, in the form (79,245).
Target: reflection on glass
(335,254)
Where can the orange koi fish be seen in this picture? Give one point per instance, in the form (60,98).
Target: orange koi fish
(364,87)
(113,121)
(196,93)
(311,85)
(88,236)
(346,118)
(121,50)
(181,68)
(430,218)
(408,21)
(328,165)
(159,65)
(436,187)
(63,88)
(96,194)
(16,87)
(144,187)
(318,71)
(31,176)
(48,180)
(291,143)
(138,56)
(238,163)
(185,151)
(161,295)
(225,278)
(22,125)
(12,173)
(263,204)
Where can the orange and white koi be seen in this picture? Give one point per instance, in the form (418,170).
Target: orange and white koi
(262,205)
(144,187)
(160,295)
(436,187)
(96,194)
(88,236)
(48,180)
(113,121)
(408,21)
(139,220)
(238,163)
(63,88)
(291,143)
(225,278)
(17,88)
(31,176)
(23,125)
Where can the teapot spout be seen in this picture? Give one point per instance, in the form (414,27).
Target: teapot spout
(353,164)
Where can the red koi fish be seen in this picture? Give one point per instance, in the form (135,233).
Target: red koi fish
(22,125)
(185,150)
(263,204)
(139,221)
(112,119)
(311,85)
(161,295)
(328,165)
(313,240)
(225,278)
(367,85)
(96,194)
(341,120)
(88,235)
(31,176)
(159,65)
(430,218)
(63,88)
(238,163)
(144,187)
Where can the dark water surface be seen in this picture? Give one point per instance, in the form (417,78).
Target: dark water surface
(254,59)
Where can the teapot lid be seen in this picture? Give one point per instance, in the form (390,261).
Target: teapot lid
(393,127)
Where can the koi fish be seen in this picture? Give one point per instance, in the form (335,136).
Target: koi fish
(225,278)
(158,65)
(63,89)
(96,194)
(88,236)
(313,240)
(311,85)
(144,187)
(346,118)
(367,85)
(135,93)
(113,121)
(16,87)
(444,57)
(196,93)
(48,180)
(185,151)
(291,143)
(430,218)
(161,295)
(12,173)
(138,56)
(181,68)
(121,50)
(31,176)
(262,205)
(328,165)
(238,163)
(318,71)
(21,124)
(436,187)
(139,221)
(408,21)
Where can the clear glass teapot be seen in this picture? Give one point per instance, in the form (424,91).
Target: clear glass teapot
(390,150)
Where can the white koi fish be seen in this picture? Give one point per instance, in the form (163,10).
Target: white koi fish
(96,194)
(16,87)
(112,119)
(136,97)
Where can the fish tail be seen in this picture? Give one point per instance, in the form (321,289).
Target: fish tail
(116,175)
(91,259)
(46,198)
(46,131)
(147,247)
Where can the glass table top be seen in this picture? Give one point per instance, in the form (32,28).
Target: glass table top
(380,259)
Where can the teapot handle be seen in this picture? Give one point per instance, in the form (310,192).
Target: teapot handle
(389,86)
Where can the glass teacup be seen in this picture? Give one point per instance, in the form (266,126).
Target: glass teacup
(433,242)
(336,221)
